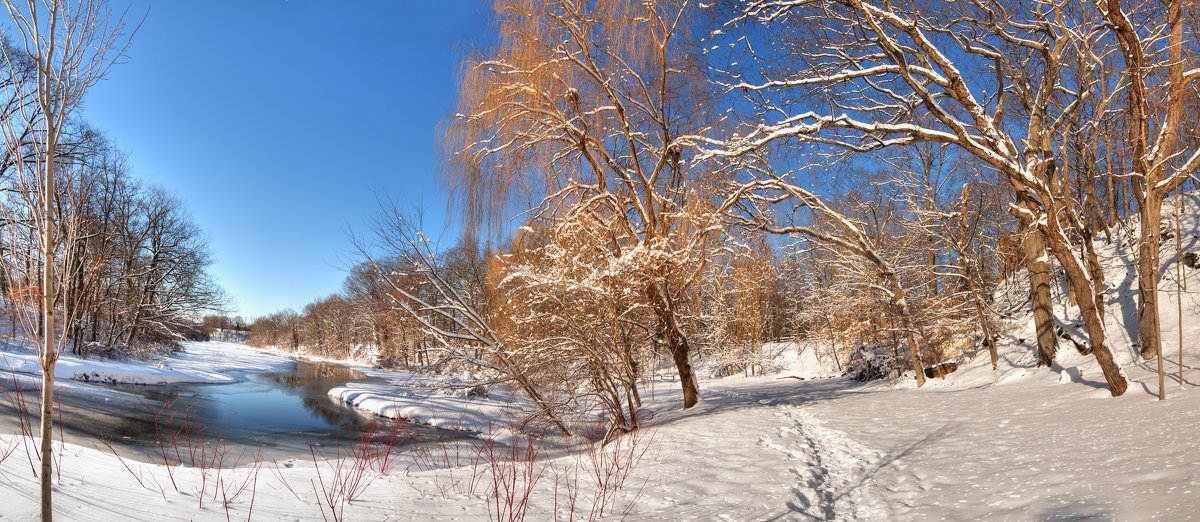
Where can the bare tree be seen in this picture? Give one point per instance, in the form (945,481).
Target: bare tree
(419,286)
(72,45)
(952,205)
(577,314)
(1159,154)
(889,75)
(751,204)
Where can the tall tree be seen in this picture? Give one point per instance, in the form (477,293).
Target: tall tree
(1159,154)
(72,45)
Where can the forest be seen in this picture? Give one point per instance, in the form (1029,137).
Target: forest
(663,184)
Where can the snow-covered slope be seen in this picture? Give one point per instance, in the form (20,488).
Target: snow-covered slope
(1016,351)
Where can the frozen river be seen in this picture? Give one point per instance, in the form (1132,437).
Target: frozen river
(281,411)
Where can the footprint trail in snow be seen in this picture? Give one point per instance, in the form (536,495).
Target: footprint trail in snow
(832,471)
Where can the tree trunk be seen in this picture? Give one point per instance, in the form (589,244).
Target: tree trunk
(1150,159)
(916,357)
(1093,220)
(1038,269)
(676,343)
(981,314)
(932,261)
(49,356)
(1180,282)
(46,431)
(678,346)
(906,322)
(1093,262)
(1080,283)
(1149,335)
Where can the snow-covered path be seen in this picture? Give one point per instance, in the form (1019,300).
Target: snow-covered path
(1024,450)
(1027,449)
(722,459)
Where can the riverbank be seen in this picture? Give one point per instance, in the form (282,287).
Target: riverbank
(198,362)
(246,400)
(438,401)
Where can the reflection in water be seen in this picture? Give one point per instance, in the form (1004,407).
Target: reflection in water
(286,410)
(311,381)
(305,372)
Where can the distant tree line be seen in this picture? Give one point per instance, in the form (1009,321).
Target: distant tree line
(214,327)
(363,321)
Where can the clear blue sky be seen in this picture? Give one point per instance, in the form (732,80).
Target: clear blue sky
(277,122)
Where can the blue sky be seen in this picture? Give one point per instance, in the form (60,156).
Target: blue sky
(278,122)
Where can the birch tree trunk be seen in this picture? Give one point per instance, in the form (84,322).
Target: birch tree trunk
(49,354)
(71,45)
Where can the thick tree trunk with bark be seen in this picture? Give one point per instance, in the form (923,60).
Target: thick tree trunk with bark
(1039,296)
(1149,333)
(676,343)
(1080,284)
(679,348)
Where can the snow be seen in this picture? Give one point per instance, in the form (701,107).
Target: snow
(1020,451)
(761,448)
(443,411)
(199,363)
(969,447)
(1018,443)
(798,360)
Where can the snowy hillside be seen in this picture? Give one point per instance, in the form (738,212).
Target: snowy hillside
(1016,351)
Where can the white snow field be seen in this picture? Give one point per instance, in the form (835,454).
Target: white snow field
(1018,446)
(1018,443)
(203,365)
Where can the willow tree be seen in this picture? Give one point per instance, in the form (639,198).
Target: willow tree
(582,108)
(70,45)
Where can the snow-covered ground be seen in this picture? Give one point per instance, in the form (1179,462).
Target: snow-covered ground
(1018,443)
(755,448)
(198,363)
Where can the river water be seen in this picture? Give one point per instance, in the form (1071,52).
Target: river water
(281,412)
